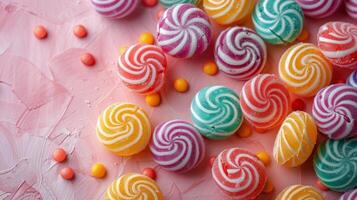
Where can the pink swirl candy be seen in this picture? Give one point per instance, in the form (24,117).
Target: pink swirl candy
(335,111)
(338,42)
(319,8)
(177,146)
(184,31)
(115,9)
(351,8)
(240,53)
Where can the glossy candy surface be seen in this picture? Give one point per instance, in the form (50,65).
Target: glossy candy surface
(169,3)
(115,9)
(352,79)
(300,192)
(318,9)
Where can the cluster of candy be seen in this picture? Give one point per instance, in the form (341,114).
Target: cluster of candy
(185,31)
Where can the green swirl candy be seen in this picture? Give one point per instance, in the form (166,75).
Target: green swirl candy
(335,164)
(169,3)
(216,112)
(278,21)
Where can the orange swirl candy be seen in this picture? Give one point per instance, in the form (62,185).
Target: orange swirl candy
(304,69)
(295,140)
(299,192)
(133,186)
(228,11)
(124,129)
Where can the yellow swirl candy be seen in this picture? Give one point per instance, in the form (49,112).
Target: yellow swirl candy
(304,69)
(295,140)
(133,186)
(299,192)
(124,128)
(228,11)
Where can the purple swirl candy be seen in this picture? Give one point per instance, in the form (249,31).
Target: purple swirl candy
(350,195)
(351,8)
(240,53)
(335,111)
(319,8)
(352,79)
(177,146)
(115,8)
(184,31)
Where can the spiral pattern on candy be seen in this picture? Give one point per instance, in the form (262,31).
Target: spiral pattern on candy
(278,21)
(319,8)
(351,8)
(338,42)
(228,11)
(133,186)
(115,8)
(335,111)
(304,69)
(142,68)
(335,164)
(352,79)
(169,3)
(265,102)
(239,173)
(177,146)
(216,112)
(124,129)
(184,31)
(295,140)
(300,192)
(240,53)
(350,195)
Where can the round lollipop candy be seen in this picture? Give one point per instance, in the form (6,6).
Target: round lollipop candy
(265,102)
(297,192)
(295,140)
(124,129)
(350,195)
(335,164)
(240,53)
(184,31)
(278,21)
(338,42)
(319,8)
(239,173)
(304,69)
(133,186)
(115,9)
(142,68)
(352,79)
(351,8)
(169,3)
(177,146)
(216,112)
(335,111)
(226,12)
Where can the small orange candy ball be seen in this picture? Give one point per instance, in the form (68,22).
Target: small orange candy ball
(210,68)
(181,85)
(40,32)
(264,157)
(59,155)
(146,38)
(67,173)
(269,187)
(244,130)
(88,59)
(321,186)
(80,31)
(304,36)
(98,170)
(153,99)
(149,172)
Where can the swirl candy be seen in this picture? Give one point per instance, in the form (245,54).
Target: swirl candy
(351,8)
(142,68)
(338,42)
(304,69)
(299,192)
(335,164)
(115,9)
(169,3)
(184,31)
(352,79)
(295,140)
(335,111)
(278,21)
(177,146)
(319,8)
(351,195)
(216,112)
(226,12)
(124,129)
(265,102)
(240,53)
(133,186)
(239,173)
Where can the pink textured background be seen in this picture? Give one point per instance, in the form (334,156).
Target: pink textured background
(48,99)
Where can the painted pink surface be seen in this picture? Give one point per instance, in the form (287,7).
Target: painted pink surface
(48,99)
